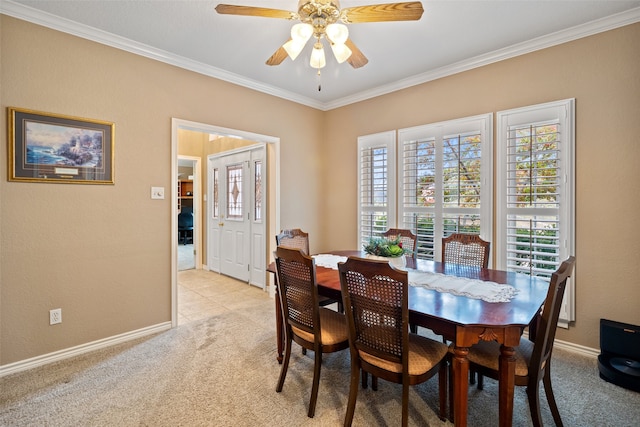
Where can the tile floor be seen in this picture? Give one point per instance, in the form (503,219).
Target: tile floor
(204,293)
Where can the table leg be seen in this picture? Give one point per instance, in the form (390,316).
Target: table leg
(460,387)
(506,385)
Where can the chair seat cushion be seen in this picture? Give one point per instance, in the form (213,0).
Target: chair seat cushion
(487,354)
(333,327)
(424,354)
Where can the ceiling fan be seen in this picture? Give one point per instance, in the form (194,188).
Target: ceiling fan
(324,19)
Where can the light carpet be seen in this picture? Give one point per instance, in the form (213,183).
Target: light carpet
(218,368)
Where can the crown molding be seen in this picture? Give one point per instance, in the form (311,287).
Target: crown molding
(35,16)
(16,10)
(570,34)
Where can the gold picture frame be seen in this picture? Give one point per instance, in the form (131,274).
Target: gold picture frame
(55,148)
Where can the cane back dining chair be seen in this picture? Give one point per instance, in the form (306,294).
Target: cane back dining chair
(466,249)
(375,297)
(305,322)
(533,358)
(406,237)
(297,239)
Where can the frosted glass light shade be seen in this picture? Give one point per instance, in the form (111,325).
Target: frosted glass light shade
(301,32)
(317,56)
(337,33)
(341,52)
(293,48)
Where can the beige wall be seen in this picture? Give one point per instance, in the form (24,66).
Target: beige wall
(602,73)
(102,253)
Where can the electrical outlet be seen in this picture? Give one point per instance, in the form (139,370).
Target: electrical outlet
(55,316)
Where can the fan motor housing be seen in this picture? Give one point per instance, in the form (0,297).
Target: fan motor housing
(328,10)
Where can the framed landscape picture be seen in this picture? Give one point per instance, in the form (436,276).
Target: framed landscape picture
(46,147)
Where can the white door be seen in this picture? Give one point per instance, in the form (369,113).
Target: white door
(237,223)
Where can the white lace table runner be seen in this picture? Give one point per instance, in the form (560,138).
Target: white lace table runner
(329,261)
(463,286)
(471,288)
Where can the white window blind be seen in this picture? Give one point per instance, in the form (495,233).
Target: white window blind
(445,184)
(376,184)
(536,192)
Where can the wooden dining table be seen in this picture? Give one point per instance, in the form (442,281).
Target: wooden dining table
(462,320)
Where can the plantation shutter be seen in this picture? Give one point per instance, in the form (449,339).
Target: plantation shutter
(535,196)
(445,184)
(376,184)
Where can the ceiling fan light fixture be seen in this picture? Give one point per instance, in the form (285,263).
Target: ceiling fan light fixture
(317,56)
(341,52)
(337,33)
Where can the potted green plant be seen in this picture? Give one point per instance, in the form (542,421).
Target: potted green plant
(390,250)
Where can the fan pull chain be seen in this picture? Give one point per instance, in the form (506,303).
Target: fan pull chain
(319,82)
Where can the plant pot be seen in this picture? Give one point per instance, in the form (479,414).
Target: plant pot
(399,262)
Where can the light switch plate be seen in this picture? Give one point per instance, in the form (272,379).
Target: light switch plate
(157,192)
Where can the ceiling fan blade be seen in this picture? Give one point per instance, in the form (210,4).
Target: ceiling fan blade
(408,11)
(230,9)
(278,56)
(357,58)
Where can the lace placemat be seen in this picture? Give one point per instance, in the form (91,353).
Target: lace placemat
(470,288)
(329,261)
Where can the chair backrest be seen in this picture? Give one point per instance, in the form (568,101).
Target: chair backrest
(294,238)
(548,322)
(298,290)
(466,249)
(185,217)
(376,305)
(407,238)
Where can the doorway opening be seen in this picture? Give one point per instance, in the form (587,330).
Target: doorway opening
(188,210)
(199,141)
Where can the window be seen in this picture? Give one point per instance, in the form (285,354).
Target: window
(376,184)
(216,206)
(445,184)
(234,192)
(535,195)
(257,185)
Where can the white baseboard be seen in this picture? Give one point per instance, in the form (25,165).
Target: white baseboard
(23,365)
(576,348)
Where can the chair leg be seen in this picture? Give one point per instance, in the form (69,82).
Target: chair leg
(451,403)
(480,381)
(442,389)
(405,404)
(548,390)
(317,365)
(533,395)
(365,378)
(285,364)
(374,383)
(353,392)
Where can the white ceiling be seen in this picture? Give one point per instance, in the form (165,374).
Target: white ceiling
(451,36)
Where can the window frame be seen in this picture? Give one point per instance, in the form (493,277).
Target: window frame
(482,124)
(563,112)
(378,140)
